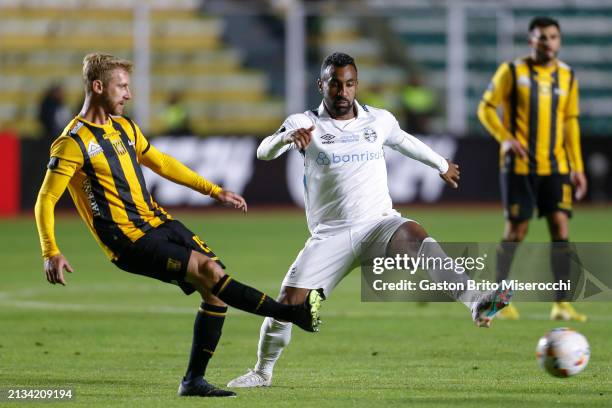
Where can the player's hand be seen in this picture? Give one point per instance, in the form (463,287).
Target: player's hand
(301,137)
(54,269)
(232,199)
(579,181)
(451,177)
(515,147)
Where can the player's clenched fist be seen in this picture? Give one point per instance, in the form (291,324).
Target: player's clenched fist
(301,137)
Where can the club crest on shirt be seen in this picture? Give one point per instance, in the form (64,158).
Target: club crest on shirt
(370,134)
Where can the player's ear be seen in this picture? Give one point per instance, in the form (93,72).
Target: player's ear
(320,85)
(97,86)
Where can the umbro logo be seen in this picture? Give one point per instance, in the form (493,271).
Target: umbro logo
(93,149)
(328,138)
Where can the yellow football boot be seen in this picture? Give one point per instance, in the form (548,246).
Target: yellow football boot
(510,312)
(565,311)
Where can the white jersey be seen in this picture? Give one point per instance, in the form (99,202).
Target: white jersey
(345,175)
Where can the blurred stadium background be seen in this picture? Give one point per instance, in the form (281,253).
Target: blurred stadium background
(226,73)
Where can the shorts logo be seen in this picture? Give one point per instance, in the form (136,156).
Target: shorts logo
(370,134)
(292,271)
(515,210)
(328,138)
(173,265)
(322,159)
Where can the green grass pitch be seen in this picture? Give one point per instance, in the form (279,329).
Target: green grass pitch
(122,340)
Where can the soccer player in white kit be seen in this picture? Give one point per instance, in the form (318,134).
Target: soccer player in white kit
(347,202)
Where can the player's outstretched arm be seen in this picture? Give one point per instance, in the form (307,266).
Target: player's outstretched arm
(175,171)
(296,132)
(51,190)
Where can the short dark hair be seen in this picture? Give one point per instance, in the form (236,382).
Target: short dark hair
(542,22)
(337,59)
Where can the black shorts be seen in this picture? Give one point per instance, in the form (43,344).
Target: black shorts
(163,253)
(521,193)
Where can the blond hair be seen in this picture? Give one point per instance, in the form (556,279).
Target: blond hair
(97,66)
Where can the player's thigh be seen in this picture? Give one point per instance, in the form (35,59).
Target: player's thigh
(322,263)
(156,257)
(554,195)
(518,196)
(389,236)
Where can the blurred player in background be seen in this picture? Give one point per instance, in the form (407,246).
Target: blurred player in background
(540,153)
(347,200)
(98,157)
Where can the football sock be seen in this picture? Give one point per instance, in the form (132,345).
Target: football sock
(273,337)
(206,335)
(251,300)
(560,264)
(505,253)
(431,249)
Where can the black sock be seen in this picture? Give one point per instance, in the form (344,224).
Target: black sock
(251,300)
(560,264)
(206,335)
(505,253)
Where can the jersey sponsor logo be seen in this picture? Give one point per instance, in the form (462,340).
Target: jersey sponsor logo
(324,160)
(95,209)
(370,134)
(328,138)
(53,163)
(93,149)
(76,127)
(350,138)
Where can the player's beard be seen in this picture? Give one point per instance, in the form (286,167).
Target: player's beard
(341,110)
(114,108)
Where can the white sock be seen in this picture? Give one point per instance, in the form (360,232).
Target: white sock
(273,337)
(431,248)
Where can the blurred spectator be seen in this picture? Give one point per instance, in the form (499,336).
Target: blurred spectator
(418,104)
(378,97)
(175,117)
(53,112)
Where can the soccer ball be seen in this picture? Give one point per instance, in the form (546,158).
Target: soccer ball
(563,352)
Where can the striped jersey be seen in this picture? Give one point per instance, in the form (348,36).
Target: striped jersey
(107,185)
(536,102)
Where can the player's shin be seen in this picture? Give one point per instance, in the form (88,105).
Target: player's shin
(206,334)
(431,249)
(505,254)
(560,264)
(274,336)
(251,300)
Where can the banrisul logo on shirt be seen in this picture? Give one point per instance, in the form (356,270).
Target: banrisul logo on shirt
(93,149)
(325,160)
(369,134)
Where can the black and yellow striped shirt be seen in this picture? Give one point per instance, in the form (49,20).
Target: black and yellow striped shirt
(107,184)
(537,102)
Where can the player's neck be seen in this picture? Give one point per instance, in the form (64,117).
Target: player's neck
(93,112)
(352,114)
(543,63)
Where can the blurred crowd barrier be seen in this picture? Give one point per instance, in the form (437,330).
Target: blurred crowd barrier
(231,162)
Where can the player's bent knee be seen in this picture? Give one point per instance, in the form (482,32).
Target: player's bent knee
(202,271)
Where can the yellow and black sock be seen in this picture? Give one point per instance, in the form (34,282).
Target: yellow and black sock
(206,334)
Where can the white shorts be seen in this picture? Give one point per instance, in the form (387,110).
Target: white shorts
(332,252)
